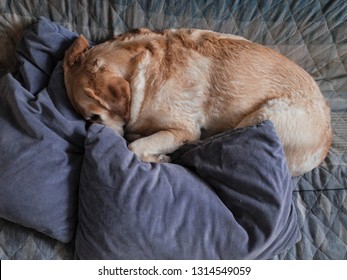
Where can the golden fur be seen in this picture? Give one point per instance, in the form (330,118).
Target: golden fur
(163,89)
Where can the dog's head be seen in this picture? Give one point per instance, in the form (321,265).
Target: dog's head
(98,93)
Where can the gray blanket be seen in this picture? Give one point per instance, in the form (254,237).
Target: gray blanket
(311,33)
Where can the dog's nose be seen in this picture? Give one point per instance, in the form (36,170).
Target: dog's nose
(95,118)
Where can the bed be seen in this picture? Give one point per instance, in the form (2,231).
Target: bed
(311,220)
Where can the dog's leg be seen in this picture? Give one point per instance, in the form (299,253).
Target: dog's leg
(304,130)
(154,148)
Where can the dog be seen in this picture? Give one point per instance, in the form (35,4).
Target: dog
(162,89)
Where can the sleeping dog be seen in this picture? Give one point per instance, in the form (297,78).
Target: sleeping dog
(164,89)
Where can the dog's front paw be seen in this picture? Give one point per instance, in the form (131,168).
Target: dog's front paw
(164,158)
(155,158)
(146,157)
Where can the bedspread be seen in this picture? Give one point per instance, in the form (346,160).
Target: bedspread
(311,33)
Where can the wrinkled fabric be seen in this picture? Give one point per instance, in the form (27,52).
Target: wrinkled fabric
(41,137)
(233,201)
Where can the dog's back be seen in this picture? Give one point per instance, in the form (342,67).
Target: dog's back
(225,82)
(185,81)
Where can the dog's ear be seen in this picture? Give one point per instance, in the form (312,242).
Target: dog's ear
(73,53)
(119,94)
(115,97)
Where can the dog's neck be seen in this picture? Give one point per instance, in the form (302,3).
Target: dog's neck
(138,86)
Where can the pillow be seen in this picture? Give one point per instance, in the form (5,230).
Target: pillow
(41,142)
(230,199)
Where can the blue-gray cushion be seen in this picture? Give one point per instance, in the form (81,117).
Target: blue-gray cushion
(41,137)
(233,201)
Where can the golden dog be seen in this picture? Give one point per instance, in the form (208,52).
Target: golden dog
(164,89)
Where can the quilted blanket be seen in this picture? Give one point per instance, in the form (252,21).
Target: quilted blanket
(311,33)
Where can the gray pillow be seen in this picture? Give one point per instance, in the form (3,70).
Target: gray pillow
(41,138)
(233,201)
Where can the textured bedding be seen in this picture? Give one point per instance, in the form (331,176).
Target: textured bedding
(236,203)
(235,208)
(41,138)
(311,33)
